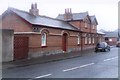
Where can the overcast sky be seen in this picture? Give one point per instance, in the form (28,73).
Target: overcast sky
(106,11)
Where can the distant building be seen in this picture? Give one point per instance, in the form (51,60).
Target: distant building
(48,36)
(111,37)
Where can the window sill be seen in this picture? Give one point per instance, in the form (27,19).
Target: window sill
(43,46)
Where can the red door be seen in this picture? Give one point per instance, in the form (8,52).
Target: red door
(64,42)
(20,47)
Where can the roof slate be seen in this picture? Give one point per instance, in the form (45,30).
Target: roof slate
(99,32)
(76,16)
(43,20)
(93,18)
(111,34)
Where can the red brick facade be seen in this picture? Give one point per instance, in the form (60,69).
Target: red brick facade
(54,40)
(12,21)
(112,41)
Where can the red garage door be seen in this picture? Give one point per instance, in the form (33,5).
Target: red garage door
(20,47)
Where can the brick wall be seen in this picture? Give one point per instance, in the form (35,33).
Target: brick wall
(54,43)
(76,24)
(93,30)
(81,25)
(12,21)
(54,36)
(112,41)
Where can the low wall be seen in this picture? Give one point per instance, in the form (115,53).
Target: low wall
(38,53)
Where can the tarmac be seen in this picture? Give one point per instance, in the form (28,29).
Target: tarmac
(45,59)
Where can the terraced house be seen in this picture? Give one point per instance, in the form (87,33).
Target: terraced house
(36,35)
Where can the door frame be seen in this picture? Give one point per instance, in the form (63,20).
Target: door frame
(64,41)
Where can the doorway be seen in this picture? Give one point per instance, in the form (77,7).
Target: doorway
(64,42)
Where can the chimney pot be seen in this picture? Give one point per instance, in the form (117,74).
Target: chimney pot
(32,6)
(36,5)
(68,14)
(34,9)
(65,11)
(70,10)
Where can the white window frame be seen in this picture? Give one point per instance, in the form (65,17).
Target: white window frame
(89,40)
(85,24)
(93,27)
(78,39)
(93,40)
(110,39)
(85,40)
(44,39)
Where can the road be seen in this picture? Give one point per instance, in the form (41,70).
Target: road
(100,65)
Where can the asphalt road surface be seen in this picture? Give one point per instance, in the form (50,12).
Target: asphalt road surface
(96,65)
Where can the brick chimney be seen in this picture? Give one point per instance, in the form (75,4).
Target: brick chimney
(34,9)
(68,14)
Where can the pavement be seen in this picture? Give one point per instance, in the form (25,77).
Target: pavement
(92,65)
(45,59)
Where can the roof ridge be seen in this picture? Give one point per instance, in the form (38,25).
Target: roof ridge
(75,13)
(11,8)
(92,15)
(17,11)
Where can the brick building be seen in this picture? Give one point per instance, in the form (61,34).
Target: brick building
(68,32)
(111,38)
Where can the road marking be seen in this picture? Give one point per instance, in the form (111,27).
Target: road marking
(43,76)
(70,69)
(87,65)
(110,59)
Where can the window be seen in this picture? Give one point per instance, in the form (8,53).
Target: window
(100,39)
(85,25)
(85,40)
(110,40)
(43,39)
(89,40)
(36,29)
(93,40)
(78,39)
(93,27)
(106,38)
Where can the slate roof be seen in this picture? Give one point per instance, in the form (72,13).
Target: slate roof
(76,16)
(99,32)
(93,18)
(111,34)
(42,20)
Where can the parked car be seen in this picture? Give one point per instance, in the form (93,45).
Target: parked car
(102,46)
(118,44)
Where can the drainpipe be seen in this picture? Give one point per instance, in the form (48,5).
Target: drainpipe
(81,44)
(81,41)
